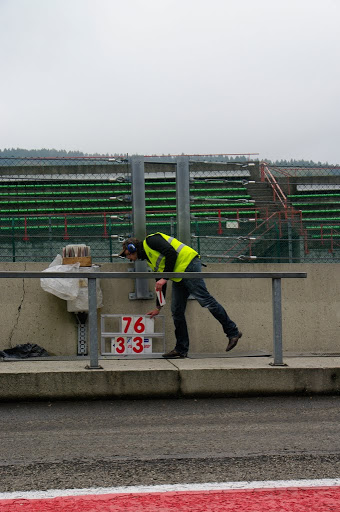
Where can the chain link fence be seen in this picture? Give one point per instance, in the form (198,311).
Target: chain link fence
(48,203)
(223,210)
(256,212)
(241,210)
(311,205)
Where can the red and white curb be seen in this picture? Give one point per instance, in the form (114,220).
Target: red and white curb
(299,495)
(214,486)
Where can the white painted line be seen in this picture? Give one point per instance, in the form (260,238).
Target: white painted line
(136,489)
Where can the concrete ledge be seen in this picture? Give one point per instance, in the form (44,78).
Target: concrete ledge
(229,377)
(70,380)
(255,376)
(255,382)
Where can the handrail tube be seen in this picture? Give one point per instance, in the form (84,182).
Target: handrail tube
(277,169)
(93,276)
(267,174)
(147,275)
(276,187)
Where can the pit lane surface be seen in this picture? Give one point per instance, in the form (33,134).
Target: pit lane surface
(109,444)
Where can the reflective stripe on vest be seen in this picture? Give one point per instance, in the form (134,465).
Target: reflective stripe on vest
(179,248)
(158,262)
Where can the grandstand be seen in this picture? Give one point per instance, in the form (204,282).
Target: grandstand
(314,195)
(237,212)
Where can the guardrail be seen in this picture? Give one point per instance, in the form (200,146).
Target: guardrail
(92,317)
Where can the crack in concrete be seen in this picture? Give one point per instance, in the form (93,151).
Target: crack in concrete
(179,375)
(16,322)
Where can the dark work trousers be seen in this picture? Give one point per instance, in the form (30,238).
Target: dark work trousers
(198,290)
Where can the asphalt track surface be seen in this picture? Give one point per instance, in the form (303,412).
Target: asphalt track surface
(77,445)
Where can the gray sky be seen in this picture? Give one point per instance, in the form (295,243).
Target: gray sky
(172,76)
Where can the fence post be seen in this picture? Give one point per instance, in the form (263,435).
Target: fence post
(13,240)
(290,240)
(139,224)
(105,235)
(66,236)
(183,199)
(93,330)
(277,322)
(219,231)
(26,237)
(110,239)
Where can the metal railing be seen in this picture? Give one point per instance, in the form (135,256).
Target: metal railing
(92,295)
(266,174)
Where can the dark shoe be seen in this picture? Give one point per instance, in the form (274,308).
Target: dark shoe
(233,342)
(173,354)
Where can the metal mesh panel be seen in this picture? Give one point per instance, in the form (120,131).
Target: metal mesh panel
(240,210)
(223,211)
(311,194)
(47,203)
(262,213)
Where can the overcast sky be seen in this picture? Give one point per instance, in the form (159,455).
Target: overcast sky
(172,76)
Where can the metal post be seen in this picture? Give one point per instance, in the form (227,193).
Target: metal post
(139,223)
(92,323)
(198,238)
(110,239)
(50,238)
(13,240)
(290,241)
(183,199)
(277,322)
(172,226)
(301,249)
(138,196)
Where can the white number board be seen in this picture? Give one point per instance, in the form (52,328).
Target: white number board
(132,339)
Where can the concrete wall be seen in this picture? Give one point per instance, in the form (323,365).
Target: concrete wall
(311,310)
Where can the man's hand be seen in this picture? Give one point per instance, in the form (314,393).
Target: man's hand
(159,284)
(153,313)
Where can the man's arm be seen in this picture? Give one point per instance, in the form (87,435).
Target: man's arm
(157,243)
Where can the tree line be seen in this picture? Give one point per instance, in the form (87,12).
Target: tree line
(61,153)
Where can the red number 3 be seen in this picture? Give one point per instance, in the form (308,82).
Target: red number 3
(120,349)
(138,345)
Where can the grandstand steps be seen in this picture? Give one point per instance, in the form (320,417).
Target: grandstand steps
(281,245)
(272,232)
(263,246)
(262,194)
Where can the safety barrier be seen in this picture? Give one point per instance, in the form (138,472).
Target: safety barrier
(92,295)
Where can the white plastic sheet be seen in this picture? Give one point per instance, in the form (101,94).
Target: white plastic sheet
(81,302)
(64,288)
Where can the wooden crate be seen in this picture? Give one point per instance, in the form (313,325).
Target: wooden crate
(85,261)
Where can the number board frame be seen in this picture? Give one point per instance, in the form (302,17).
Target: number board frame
(131,336)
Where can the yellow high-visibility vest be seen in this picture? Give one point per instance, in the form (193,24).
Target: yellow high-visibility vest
(157,260)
